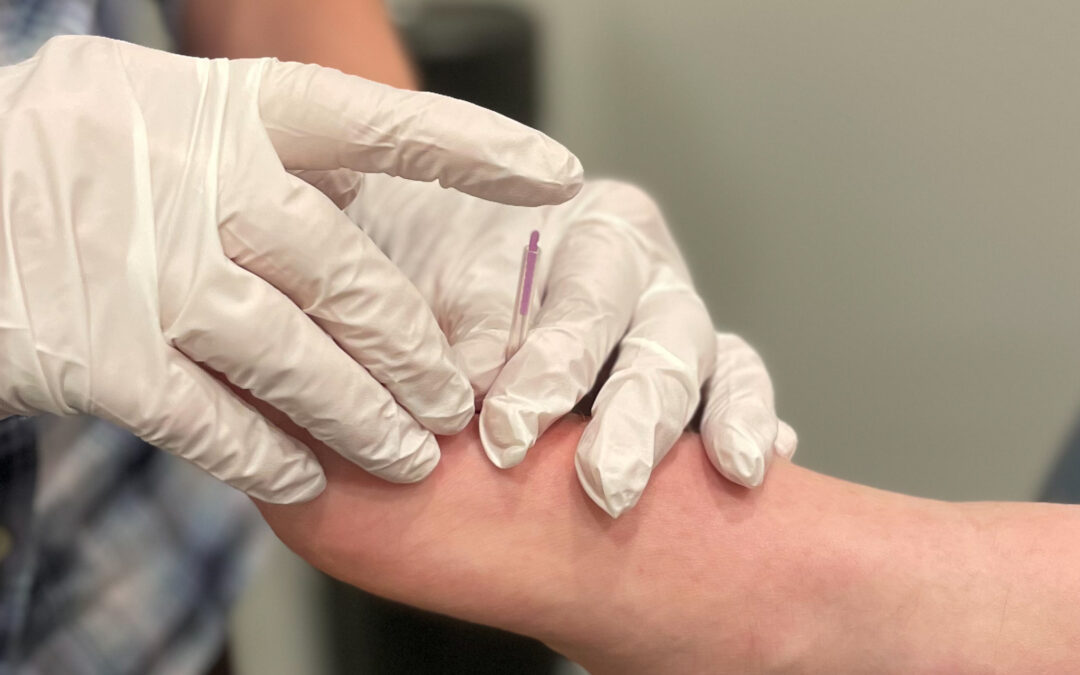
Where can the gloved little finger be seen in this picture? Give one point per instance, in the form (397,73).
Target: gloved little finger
(597,276)
(787,441)
(242,327)
(195,417)
(650,397)
(739,426)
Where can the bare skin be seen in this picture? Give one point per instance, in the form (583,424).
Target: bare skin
(354,36)
(807,574)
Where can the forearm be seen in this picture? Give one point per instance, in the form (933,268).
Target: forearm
(354,36)
(808,571)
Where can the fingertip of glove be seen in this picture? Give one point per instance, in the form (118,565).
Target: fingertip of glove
(451,409)
(575,177)
(613,504)
(414,466)
(448,425)
(738,457)
(502,456)
(503,435)
(299,491)
(787,441)
(560,180)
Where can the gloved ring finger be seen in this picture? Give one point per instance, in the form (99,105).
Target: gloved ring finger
(650,397)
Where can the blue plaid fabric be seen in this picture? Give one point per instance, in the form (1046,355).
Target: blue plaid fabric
(26,24)
(124,559)
(18,474)
(115,557)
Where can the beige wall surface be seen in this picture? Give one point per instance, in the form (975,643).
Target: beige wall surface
(882,196)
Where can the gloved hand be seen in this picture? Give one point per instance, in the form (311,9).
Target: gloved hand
(149,226)
(610,275)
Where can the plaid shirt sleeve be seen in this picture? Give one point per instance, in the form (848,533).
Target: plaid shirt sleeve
(25,25)
(127,559)
(18,472)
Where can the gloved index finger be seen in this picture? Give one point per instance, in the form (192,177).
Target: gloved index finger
(320,118)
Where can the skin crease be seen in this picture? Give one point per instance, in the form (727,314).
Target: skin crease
(807,574)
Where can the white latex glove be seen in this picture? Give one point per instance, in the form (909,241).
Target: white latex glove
(611,275)
(150,224)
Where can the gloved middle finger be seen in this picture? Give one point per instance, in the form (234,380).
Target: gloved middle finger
(244,328)
(308,249)
(653,390)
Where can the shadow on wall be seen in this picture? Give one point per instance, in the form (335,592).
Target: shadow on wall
(1063,484)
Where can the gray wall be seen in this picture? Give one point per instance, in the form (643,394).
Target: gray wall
(882,196)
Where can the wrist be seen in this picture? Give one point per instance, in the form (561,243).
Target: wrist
(792,582)
(705,576)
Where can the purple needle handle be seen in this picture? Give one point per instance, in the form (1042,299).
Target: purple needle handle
(530,269)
